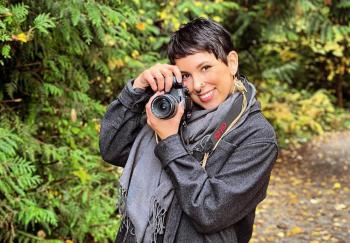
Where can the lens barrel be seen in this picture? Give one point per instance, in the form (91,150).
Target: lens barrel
(164,106)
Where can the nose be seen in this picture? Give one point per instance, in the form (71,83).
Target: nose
(197,85)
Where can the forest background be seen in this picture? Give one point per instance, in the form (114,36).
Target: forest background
(62,62)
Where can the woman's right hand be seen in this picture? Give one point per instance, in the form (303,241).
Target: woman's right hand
(159,77)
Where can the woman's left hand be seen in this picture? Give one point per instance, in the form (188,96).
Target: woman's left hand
(164,127)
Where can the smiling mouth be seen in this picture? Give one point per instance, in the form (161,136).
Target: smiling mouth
(206,96)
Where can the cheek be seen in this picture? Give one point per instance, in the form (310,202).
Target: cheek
(188,85)
(211,78)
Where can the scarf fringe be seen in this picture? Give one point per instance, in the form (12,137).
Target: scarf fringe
(157,219)
(122,209)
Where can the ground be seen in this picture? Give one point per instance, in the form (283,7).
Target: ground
(309,194)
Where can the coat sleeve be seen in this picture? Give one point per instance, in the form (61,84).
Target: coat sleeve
(121,123)
(214,203)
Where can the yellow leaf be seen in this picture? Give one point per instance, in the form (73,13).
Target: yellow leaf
(135,54)
(315,200)
(340,206)
(22,37)
(115,63)
(337,185)
(140,26)
(295,230)
(123,24)
(82,174)
(198,3)
(109,40)
(293,198)
(97,127)
(217,18)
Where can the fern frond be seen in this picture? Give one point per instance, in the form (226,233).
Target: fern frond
(94,15)
(51,89)
(5,51)
(30,212)
(43,22)
(282,73)
(19,12)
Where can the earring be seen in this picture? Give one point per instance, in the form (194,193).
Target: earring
(201,84)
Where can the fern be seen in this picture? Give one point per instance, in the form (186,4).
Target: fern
(11,88)
(87,34)
(94,14)
(51,89)
(43,22)
(30,212)
(19,12)
(8,143)
(282,73)
(5,51)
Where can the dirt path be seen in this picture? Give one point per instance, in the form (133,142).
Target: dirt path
(309,194)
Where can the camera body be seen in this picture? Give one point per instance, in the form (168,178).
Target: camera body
(165,106)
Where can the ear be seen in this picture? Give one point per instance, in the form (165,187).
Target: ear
(232,62)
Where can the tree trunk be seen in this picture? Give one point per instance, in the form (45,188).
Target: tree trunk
(339,90)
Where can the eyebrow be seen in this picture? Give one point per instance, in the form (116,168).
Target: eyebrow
(198,66)
(201,64)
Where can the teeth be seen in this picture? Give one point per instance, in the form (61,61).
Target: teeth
(206,95)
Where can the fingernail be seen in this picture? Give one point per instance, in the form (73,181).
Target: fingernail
(183,103)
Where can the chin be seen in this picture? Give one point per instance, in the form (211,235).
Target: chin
(211,105)
(208,105)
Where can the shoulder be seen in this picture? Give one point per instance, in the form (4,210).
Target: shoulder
(253,130)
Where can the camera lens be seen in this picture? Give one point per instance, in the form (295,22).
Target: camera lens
(163,106)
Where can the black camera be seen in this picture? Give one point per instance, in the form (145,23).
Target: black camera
(165,106)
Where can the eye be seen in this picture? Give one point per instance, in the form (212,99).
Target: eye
(206,67)
(185,76)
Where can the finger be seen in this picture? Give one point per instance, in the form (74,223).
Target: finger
(148,115)
(168,79)
(159,77)
(180,110)
(176,71)
(150,79)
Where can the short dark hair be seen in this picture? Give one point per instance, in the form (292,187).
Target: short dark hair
(200,35)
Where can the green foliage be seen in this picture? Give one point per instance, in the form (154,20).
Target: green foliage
(297,115)
(43,22)
(62,62)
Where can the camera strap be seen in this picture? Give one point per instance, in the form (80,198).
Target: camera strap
(231,118)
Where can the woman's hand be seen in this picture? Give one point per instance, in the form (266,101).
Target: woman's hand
(159,77)
(164,127)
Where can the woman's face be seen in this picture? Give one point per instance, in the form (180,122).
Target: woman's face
(209,80)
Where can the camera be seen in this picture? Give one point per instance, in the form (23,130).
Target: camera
(165,106)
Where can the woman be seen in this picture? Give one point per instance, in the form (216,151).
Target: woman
(198,181)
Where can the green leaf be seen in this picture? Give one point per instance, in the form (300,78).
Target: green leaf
(43,22)
(5,51)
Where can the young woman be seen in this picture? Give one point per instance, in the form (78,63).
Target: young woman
(194,182)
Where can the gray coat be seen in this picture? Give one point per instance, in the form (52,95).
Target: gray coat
(212,205)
